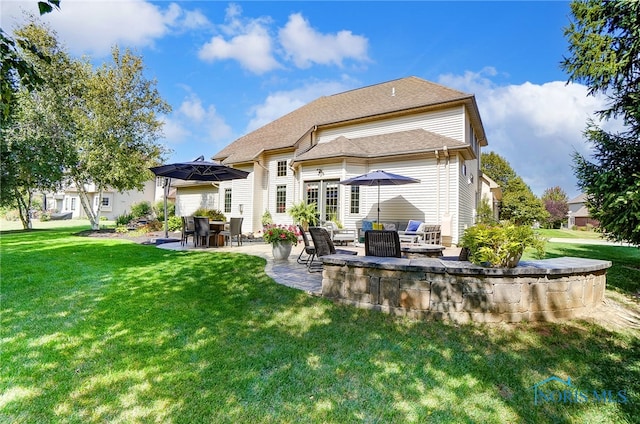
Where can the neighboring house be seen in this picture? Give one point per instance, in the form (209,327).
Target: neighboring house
(408,126)
(579,214)
(114,203)
(491,191)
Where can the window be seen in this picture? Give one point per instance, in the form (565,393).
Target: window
(355,199)
(282,168)
(281,199)
(105,202)
(227,200)
(73,203)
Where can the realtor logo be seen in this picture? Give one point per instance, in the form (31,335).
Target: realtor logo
(547,392)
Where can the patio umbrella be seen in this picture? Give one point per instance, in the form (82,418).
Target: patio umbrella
(378,178)
(196,170)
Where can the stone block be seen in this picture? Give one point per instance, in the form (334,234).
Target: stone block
(356,283)
(502,308)
(439,306)
(415,282)
(485,317)
(558,285)
(415,299)
(575,293)
(389,292)
(475,285)
(558,301)
(538,297)
(507,293)
(477,302)
(374,289)
(516,317)
(331,288)
(445,292)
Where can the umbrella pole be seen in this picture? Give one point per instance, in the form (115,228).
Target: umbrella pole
(167,184)
(378,203)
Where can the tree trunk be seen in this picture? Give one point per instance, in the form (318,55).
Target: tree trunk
(23,209)
(86,206)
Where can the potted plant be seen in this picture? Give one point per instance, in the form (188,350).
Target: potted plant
(304,213)
(282,239)
(500,245)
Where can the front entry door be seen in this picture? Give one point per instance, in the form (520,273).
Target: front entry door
(325,193)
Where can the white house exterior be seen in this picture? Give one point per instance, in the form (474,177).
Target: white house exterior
(409,126)
(114,203)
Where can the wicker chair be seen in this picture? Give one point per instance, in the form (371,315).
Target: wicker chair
(324,246)
(203,231)
(235,230)
(382,243)
(188,229)
(307,250)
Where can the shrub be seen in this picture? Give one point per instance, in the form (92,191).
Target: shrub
(142,209)
(266,218)
(124,219)
(121,229)
(174,223)
(212,214)
(500,245)
(158,208)
(153,225)
(45,216)
(304,213)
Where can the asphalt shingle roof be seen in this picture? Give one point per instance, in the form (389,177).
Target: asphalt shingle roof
(395,96)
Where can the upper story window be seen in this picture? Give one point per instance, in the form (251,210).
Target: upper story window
(282,168)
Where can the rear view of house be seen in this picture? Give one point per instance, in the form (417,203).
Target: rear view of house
(408,126)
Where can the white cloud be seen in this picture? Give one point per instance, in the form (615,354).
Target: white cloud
(198,125)
(306,46)
(248,42)
(93,27)
(280,103)
(536,128)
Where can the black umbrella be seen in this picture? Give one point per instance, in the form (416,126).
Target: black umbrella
(378,178)
(196,170)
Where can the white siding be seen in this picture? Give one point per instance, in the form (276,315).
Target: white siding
(274,181)
(189,199)
(449,123)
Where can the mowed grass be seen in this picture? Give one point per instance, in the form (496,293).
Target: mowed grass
(99,330)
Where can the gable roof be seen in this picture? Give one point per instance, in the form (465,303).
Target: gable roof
(392,97)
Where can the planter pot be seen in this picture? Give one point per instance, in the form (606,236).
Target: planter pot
(281,251)
(512,261)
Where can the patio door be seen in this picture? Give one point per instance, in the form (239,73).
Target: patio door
(326,195)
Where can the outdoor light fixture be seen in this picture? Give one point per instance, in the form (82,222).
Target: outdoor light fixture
(320,172)
(241,207)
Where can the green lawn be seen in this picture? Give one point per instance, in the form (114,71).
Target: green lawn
(100,330)
(564,233)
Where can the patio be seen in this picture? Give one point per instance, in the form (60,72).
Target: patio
(288,273)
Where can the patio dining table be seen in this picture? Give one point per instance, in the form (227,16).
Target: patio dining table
(216,228)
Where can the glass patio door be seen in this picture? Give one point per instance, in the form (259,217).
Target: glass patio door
(326,195)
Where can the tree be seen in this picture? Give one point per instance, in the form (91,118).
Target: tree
(556,203)
(519,204)
(107,121)
(604,47)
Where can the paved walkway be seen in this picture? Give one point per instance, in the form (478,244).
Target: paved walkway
(289,273)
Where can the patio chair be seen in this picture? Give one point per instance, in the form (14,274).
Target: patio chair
(203,231)
(188,229)
(382,243)
(235,230)
(309,250)
(324,246)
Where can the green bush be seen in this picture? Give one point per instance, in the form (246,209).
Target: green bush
(174,223)
(124,219)
(45,216)
(266,218)
(500,245)
(212,214)
(158,208)
(141,210)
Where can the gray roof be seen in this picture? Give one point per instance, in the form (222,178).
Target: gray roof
(406,95)
(399,143)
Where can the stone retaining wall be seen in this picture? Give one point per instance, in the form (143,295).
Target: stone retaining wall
(542,290)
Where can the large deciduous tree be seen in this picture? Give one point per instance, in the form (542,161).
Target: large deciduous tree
(519,204)
(106,123)
(604,47)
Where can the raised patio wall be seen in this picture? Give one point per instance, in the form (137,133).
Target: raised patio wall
(541,290)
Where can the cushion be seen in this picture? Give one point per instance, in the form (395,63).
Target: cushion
(332,225)
(413,225)
(367,225)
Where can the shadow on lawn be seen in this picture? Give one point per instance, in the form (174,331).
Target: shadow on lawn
(128,332)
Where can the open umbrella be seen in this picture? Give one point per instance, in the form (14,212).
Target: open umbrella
(196,170)
(378,178)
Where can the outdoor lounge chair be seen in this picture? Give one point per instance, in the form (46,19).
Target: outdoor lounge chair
(382,243)
(188,229)
(340,235)
(307,250)
(324,246)
(235,230)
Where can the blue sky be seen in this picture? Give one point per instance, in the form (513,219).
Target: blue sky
(227,68)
